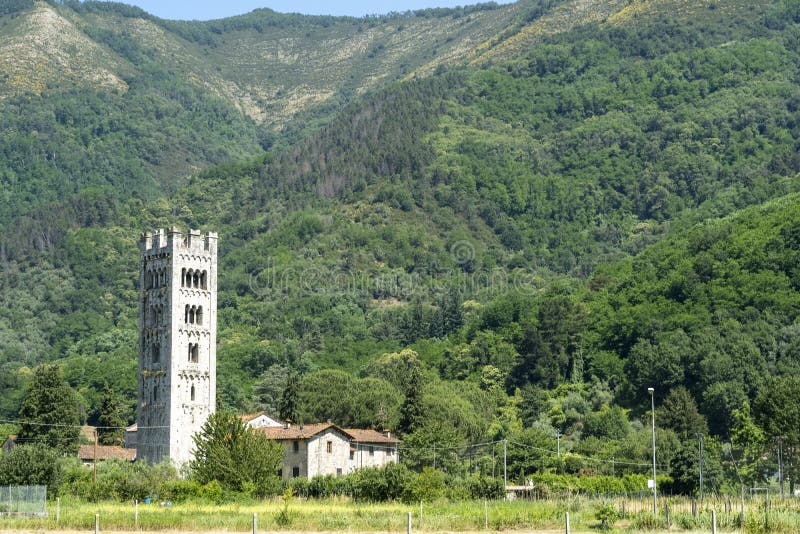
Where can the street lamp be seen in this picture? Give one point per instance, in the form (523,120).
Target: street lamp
(653,427)
(700,462)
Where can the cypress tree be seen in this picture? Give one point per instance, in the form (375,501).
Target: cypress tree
(288,405)
(411,411)
(110,431)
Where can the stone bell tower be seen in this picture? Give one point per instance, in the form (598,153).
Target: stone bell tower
(177,342)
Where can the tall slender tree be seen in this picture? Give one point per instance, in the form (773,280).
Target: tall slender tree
(411,410)
(110,430)
(49,411)
(288,405)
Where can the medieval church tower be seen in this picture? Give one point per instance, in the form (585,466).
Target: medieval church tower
(177,342)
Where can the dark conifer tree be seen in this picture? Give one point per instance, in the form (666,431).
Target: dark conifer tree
(110,430)
(288,404)
(411,410)
(49,411)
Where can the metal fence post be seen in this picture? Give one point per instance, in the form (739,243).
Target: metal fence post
(567,521)
(96,523)
(408,524)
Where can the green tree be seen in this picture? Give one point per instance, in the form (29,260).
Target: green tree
(748,444)
(288,404)
(679,412)
(49,411)
(238,457)
(34,464)
(110,431)
(411,416)
(777,412)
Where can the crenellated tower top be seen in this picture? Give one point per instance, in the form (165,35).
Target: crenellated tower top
(161,241)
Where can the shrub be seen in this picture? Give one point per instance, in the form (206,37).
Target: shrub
(179,490)
(211,491)
(35,465)
(607,515)
(427,486)
(481,487)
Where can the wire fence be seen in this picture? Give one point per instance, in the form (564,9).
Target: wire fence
(23,501)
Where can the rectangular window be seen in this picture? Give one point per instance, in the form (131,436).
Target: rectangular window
(295,472)
(295,446)
(371,450)
(352,455)
(330,446)
(338,471)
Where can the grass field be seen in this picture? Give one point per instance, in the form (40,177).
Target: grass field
(343,515)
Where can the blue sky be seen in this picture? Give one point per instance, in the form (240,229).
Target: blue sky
(214,9)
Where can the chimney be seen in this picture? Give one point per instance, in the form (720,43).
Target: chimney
(387,433)
(287,424)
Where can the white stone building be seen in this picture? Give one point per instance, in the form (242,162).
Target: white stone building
(177,342)
(326,449)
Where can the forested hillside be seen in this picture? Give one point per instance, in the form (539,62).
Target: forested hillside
(536,239)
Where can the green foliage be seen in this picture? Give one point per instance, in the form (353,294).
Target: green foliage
(777,412)
(49,411)
(111,429)
(428,486)
(236,456)
(607,514)
(31,465)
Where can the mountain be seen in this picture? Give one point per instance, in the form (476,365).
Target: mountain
(513,203)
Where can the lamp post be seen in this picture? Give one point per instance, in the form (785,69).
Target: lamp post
(700,462)
(653,427)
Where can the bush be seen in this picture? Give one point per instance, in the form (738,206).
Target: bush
(211,491)
(179,490)
(381,484)
(427,486)
(31,465)
(116,480)
(481,487)
(607,515)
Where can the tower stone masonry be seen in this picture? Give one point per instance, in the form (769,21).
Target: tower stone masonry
(177,342)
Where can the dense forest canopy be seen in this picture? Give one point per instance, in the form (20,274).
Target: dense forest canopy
(535,240)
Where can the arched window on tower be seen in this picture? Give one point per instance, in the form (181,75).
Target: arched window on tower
(199,315)
(155,352)
(191,393)
(203,280)
(196,279)
(194,352)
(183,277)
(189,278)
(191,314)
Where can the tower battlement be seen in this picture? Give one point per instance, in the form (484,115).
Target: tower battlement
(161,241)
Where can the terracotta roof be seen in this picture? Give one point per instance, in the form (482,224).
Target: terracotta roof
(370,436)
(247,417)
(309,431)
(297,431)
(104,452)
